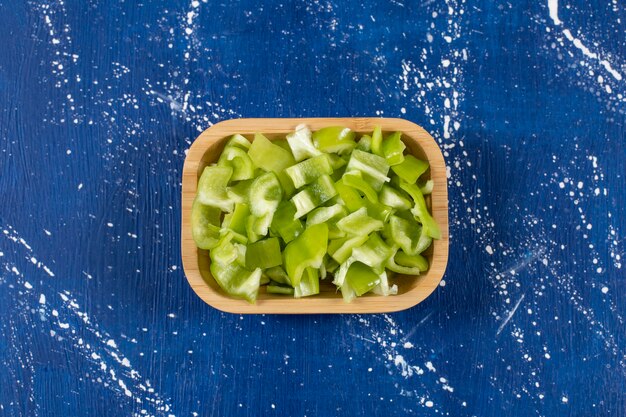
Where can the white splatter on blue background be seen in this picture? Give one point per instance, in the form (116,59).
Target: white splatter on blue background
(101,100)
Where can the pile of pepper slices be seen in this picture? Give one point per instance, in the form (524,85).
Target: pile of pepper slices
(316,205)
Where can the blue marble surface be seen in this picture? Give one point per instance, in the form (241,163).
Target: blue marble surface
(100,100)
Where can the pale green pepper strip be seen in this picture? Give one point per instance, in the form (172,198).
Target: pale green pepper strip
(421,211)
(365,143)
(284,224)
(205,222)
(371,165)
(373,253)
(401,269)
(269,156)
(383,288)
(264,254)
(350,197)
(355,180)
(377,210)
(300,143)
(239,161)
(212,187)
(308,285)
(265,194)
(238,218)
(377,141)
(278,275)
(341,249)
(361,278)
(403,233)
(307,250)
(279,289)
(238,141)
(359,223)
(236,280)
(225,252)
(336,161)
(393,149)
(410,169)
(414,261)
(309,170)
(239,192)
(326,214)
(391,197)
(313,195)
(334,139)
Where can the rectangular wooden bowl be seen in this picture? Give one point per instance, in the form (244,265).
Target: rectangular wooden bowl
(411,289)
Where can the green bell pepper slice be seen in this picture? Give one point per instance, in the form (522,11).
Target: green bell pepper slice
(212,187)
(403,233)
(301,145)
(239,141)
(336,162)
(278,275)
(401,269)
(383,287)
(374,168)
(325,214)
(421,211)
(410,169)
(377,211)
(364,144)
(391,197)
(341,249)
(334,139)
(427,187)
(237,219)
(393,149)
(284,224)
(268,156)
(279,289)
(361,278)
(313,195)
(412,261)
(264,254)
(225,251)
(236,280)
(309,170)
(373,253)
(355,180)
(308,285)
(307,250)
(359,223)
(239,161)
(349,196)
(377,141)
(205,227)
(264,195)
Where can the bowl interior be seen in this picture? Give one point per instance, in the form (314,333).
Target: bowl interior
(405,283)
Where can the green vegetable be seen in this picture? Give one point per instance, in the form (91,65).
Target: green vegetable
(264,254)
(410,169)
(334,139)
(268,156)
(212,187)
(287,213)
(307,250)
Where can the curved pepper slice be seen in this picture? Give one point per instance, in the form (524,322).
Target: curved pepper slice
(238,141)
(212,187)
(377,141)
(412,261)
(391,197)
(410,169)
(265,194)
(309,170)
(349,195)
(307,250)
(403,233)
(365,143)
(361,278)
(300,143)
(421,211)
(269,156)
(309,284)
(373,253)
(355,180)
(341,249)
(264,254)
(205,222)
(284,224)
(314,195)
(239,161)
(334,139)
(373,167)
(393,149)
(236,280)
(359,223)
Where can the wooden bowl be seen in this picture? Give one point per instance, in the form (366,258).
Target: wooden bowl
(411,289)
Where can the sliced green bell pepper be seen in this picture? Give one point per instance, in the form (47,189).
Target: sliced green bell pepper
(265,194)
(307,250)
(239,161)
(374,168)
(341,249)
(403,233)
(301,145)
(393,149)
(349,196)
(313,195)
(308,285)
(373,253)
(391,197)
(355,180)
(212,187)
(238,141)
(284,224)
(377,141)
(413,261)
(410,169)
(264,254)
(359,223)
(268,156)
(334,139)
(361,278)
(205,227)
(278,274)
(364,144)
(236,280)
(279,289)
(309,170)
(421,211)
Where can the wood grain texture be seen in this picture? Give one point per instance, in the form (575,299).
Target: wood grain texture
(411,289)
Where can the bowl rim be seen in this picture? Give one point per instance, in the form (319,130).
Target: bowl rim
(214,136)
